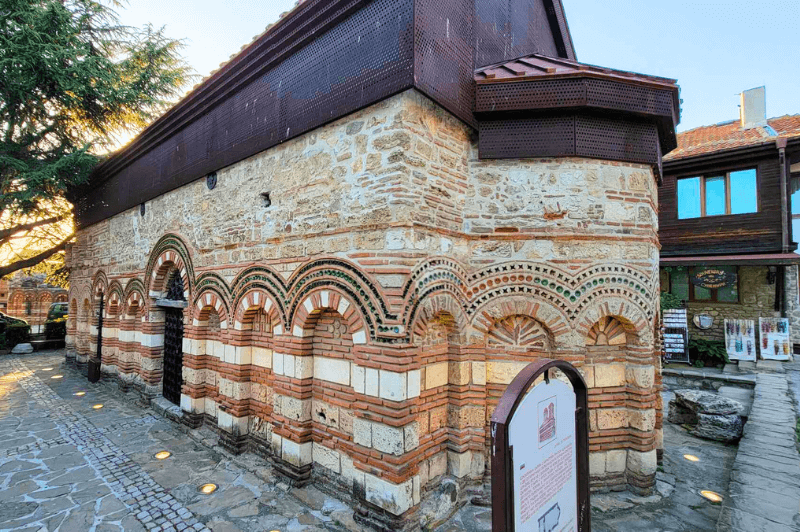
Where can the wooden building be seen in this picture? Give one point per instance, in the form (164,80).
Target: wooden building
(342,246)
(729,202)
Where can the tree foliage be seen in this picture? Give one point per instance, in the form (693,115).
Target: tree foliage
(72,78)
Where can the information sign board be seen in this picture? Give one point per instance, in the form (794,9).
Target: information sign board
(540,453)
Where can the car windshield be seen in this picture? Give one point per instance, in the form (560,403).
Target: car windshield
(56,312)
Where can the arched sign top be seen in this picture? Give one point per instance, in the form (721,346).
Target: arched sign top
(540,453)
(516,391)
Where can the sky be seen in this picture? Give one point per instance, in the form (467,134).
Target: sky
(714,48)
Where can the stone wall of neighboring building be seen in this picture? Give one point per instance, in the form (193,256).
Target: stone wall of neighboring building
(361,326)
(756,300)
(4,296)
(29,299)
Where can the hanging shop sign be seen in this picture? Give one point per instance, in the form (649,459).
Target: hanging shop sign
(740,339)
(713,278)
(776,341)
(540,453)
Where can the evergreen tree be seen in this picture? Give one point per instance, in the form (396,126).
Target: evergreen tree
(72,79)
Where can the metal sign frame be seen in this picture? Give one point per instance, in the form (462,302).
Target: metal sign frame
(502,454)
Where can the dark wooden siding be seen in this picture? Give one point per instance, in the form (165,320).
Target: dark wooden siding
(740,233)
(329,59)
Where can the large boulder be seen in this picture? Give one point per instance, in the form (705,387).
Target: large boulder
(701,402)
(22,349)
(725,428)
(713,416)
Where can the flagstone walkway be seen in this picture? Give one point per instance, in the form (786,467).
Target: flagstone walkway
(67,466)
(764,493)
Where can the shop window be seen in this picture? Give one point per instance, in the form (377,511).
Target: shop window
(680,285)
(717,195)
(796,210)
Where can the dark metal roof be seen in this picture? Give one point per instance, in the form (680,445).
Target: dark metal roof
(536,67)
(322,61)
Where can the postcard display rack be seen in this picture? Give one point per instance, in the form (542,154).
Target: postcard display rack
(776,343)
(740,339)
(675,336)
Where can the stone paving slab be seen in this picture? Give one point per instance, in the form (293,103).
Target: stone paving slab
(764,493)
(66,466)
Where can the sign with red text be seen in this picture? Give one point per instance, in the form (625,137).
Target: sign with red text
(540,452)
(542,439)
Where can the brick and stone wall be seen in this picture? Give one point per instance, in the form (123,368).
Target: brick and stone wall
(361,326)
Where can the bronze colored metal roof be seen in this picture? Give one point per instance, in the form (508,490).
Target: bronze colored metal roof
(537,67)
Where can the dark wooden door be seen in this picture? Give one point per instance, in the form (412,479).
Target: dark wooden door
(173,355)
(173,343)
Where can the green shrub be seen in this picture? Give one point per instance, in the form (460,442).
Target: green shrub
(2,340)
(706,353)
(17,333)
(669,301)
(55,329)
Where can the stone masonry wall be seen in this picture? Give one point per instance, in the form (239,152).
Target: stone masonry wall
(756,299)
(362,326)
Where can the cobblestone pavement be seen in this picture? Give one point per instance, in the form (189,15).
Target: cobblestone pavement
(67,466)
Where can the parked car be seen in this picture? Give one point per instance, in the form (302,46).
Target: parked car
(55,326)
(6,320)
(13,331)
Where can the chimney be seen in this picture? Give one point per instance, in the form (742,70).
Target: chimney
(753,109)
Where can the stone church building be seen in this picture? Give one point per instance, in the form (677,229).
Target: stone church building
(341,247)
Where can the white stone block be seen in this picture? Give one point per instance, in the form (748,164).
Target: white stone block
(343,306)
(152,340)
(616,461)
(459,464)
(261,357)
(297,454)
(358,376)
(372,382)
(243,355)
(327,458)
(394,498)
(642,463)
(289,366)
(332,370)
(210,407)
(362,432)
(303,367)
(229,355)
(479,373)
(360,337)
(393,386)
(413,383)
(192,405)
(277,363)
(388,439)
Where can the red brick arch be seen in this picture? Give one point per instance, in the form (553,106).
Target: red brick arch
(254,300)
(166,262)
(325,299)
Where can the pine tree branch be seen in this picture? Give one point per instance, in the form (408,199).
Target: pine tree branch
(36,259)
(6,234)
